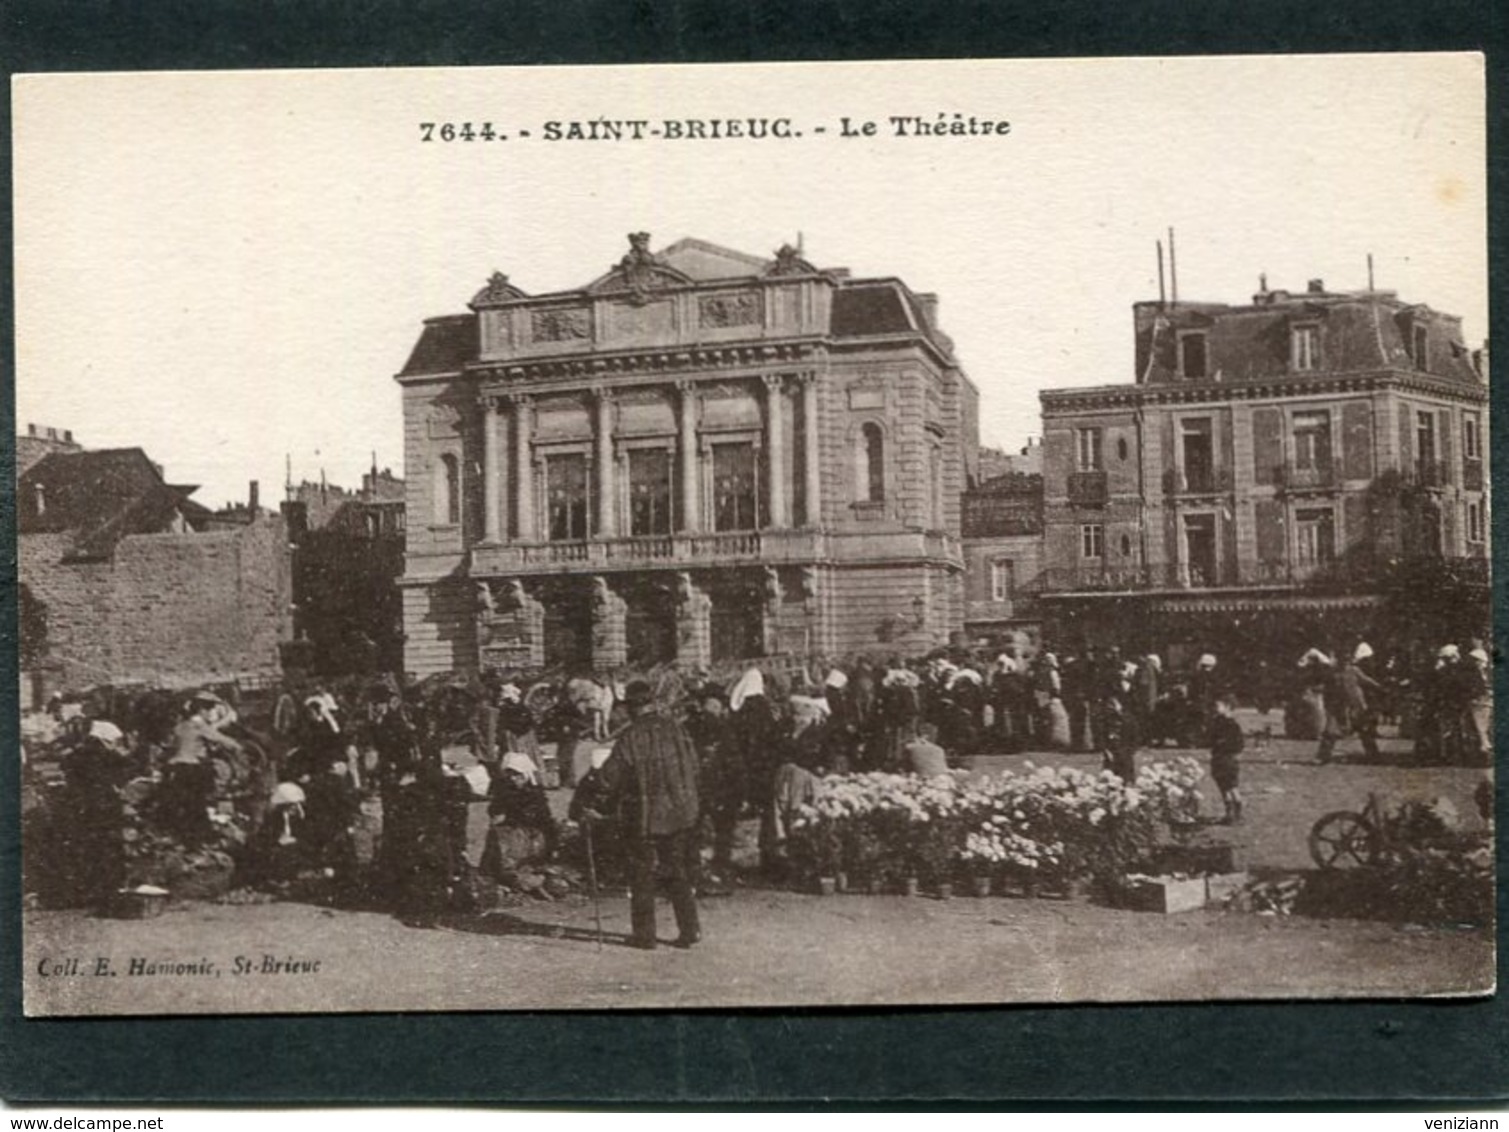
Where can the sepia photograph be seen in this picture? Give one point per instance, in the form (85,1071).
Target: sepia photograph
(821,535)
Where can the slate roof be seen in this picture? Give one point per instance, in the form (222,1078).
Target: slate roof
(1359,331)
(101,496)
(445,345)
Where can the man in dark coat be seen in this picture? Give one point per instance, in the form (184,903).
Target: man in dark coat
(1349,708)
(651,780)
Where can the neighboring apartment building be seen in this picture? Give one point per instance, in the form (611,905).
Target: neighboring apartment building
(347,560)
(1280,474)
(699,456)
(125,579)
(1003,560)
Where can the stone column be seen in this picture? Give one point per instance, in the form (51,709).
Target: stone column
(523,471)
(691,503)
(607,486)
(811,452)
(775,451)
(492,527)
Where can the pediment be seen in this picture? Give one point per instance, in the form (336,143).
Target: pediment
(497,291)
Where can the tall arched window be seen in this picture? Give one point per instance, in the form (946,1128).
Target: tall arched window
(870,470)
(448,491)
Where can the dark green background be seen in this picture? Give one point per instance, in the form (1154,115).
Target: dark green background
(1215,1054)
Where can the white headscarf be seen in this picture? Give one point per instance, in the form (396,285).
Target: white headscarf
(752,683)
(1449,652)
(1315,656)
(1363,651)
(810,708)
(323,707)
(967,675)
(600,756)
(1207,660)
(522,764)
(1005,663)
(1479,655)
(837,678)
(509,693)
(901,676)
(107,733)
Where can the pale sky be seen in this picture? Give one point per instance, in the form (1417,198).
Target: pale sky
(227,268)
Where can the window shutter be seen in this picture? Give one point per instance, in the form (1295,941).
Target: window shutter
(1267,443)
(1058,461)
(1221,461)
(1269,517)
(1358,527)
(1448,446)
(1357,440)
(1406,438)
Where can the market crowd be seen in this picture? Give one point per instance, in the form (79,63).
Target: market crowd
(133,786)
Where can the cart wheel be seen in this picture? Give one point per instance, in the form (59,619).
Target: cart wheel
(1343,840)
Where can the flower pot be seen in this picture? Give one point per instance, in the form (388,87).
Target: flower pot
(827,886)
(945,891)
(842,882)
(980,886)
(910,886)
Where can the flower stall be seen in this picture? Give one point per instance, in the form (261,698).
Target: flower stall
(1043,829)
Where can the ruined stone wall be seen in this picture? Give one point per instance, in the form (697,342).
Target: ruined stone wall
(165,609)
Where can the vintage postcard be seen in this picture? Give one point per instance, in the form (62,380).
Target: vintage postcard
(707,536)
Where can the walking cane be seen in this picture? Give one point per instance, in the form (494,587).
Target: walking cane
(597,907)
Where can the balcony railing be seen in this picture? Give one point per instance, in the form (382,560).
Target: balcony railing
(1088,489)
(713,548)
(1197,481)
(1303,477)
(1324,574)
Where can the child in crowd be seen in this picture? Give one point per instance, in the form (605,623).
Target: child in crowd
(1226,744)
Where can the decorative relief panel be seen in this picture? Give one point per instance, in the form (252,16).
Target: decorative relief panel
(560,419)
(866,397)
(729,308)
(633,322)
(559,324)
(736,408)
(646,411)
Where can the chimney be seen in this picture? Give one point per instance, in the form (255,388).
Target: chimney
(31,430)
(929,302)
(253,498)
(40,499)
(1317,287)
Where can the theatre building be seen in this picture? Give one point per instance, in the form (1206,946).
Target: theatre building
(700,456)
(1294,471)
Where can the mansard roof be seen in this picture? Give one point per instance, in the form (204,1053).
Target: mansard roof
(1363,330)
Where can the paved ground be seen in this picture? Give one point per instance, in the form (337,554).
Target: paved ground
(781,948)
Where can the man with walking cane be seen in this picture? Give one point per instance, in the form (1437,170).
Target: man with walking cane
(651,780)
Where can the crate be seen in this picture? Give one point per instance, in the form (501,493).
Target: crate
(1165,894)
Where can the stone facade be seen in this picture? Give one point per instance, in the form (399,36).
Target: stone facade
(699,457)
(1272,467)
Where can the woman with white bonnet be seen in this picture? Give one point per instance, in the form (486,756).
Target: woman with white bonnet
(522,828)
